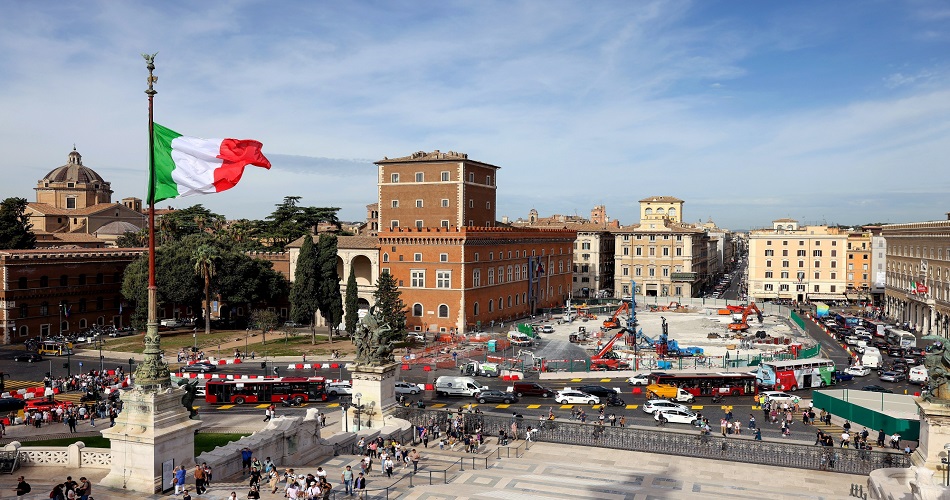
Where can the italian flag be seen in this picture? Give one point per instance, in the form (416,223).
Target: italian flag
(185,166)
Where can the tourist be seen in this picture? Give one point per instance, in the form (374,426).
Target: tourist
(23,487)
(186,495)
(347,478)
(414,457)
(57,493)
(246,455)
(199,479)
(359,485)
(84,490)
(253,493)
(207,471)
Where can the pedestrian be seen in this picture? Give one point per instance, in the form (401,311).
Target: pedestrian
(880,438)
(845,439)
(246,455)
(186,495)
(751,421)
(199,479)
(758,434)
(267,414)
(360,485)
(84,490)
(22,487)
(414,457)
(388,465)
(207,470)
(347,477)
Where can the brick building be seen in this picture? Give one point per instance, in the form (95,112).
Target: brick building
(438,237)
(85,282)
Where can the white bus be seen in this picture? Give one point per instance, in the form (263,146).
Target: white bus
(794,374)
(902,338)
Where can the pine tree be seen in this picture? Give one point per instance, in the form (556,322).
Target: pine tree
(351,303)
(16,232)
(303,291)
(329,300)
(389,303)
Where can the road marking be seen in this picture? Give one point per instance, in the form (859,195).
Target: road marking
(632,407)
(576,380)
(756,407)
(502,406)
(605,380)
(533,407)
(566,407)
(438,405)
(333,405)
(697,407)
(225,407)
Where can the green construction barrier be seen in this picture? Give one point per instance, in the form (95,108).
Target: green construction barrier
(867,417)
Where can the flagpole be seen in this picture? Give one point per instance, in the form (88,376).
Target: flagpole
(152,373)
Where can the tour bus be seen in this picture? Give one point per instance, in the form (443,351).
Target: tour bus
(710,384)
(55,348)
(794,374)
(902,338)
(274,390)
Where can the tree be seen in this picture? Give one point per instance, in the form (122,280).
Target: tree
(196,219)
(264,320)
(133,239)
(389,303)
(16,231)
(290,221)
(303,291)
(351,303)
(329,300)
(205,258)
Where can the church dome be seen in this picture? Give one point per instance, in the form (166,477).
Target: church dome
(73,171)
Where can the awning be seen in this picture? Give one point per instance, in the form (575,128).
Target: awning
(826,296)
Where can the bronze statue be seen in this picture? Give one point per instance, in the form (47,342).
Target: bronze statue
(938,374)
(188,399)
(374,340)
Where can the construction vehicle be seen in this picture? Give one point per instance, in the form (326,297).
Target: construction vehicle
(663,345)
(583,312)
(478,369)
(537,362)
(607,359)
(580,336)
(612,322)
(740,324)
(519,339)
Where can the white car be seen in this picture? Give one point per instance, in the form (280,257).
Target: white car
(654,405)
(858,371)
(570,397)
(676,416)
(642,379)
(778,396)
(547,329)
(407,388)
(338,388)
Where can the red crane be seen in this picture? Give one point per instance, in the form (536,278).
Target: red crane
(607,359)
(741,325)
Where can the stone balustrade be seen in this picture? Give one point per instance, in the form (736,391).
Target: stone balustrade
(73,456)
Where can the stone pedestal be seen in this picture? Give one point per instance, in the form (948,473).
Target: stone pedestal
(934,435)
(152,428)
(376,386)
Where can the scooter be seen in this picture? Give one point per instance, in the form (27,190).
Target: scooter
(717,398)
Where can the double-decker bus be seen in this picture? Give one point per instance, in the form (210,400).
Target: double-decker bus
(274,390)
(794,374)
(710,384)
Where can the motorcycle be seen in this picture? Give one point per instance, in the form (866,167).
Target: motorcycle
(717,398)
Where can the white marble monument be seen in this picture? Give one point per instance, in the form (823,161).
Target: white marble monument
(376,387)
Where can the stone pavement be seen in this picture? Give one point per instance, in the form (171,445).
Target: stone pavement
(546,471)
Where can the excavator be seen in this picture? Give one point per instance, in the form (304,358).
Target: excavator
(607,359)
(741,325)
(612,322)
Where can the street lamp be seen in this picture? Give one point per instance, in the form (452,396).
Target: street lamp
(248,334)
(359,407)
(946,462)
(131,362)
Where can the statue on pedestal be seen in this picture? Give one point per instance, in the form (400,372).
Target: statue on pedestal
(188,399)
(374,340)
(938,374)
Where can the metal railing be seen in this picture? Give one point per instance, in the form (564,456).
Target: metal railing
(675,442)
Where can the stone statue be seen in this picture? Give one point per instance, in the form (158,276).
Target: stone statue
(938,374)
(373,340)
(188,399)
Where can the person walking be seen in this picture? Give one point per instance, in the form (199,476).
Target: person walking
(359,485)
(178,480)
(23,488)
(84,490)
(199,479)
(347,478)
(414,457)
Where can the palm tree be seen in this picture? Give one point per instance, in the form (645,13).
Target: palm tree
(205,257)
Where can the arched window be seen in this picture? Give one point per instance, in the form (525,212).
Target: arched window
(82,279)
(648,211)
(509,301)
(475,309)
(44,281)
(24,331)
(65,326)
(63,280)
(671,212)
(659,211)
(417,309)
(82,323)
(99,303)
(490,305)
(385,257)
(501,304)
(22,283)
(443,311)
(44,309)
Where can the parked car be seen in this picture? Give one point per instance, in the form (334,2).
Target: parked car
(858,371)
(547,329)
(407,388)
(654,405)
(876,388)
(199,367)
(642,379)
(495,396)
(172,323)
(570,396)
(29,357)
(676,416)
(890,376)
(338,388)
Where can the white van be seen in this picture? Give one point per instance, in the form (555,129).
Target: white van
(457,386)
(918,375)
(871,357)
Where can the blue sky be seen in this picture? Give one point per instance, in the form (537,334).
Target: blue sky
(834,112)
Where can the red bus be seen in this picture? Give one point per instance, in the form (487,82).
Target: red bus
(275,390)
(710,384)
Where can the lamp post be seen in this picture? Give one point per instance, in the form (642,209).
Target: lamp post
(248,334)
(100,353)
(359,407)
(131,362)
(946,462)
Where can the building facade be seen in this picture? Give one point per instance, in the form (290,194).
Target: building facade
(468,278)
(918,275)
(47,292)
(799,263)
(663,256)
(859,266)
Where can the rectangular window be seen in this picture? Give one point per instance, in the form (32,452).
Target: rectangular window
(638,271)
(476,277)
(443,257)
(783,288)
(420,177)
(784,275)
(445,223)
(395,203)
(471,177)
(784,253)
(417,257)
(625,271)
(488,180)
(471,203)
(487,205)
(639,252)
(419,224)
(768,263)
(666,251)
(626,250)
(834,253)
(652,272)
(833,287)
(666,272)
(784,263)
(799,288)
(816,253)
(768,274)
(769,253)
(418,203)
(818,275)
(817,263)
(679,252)
(768,287)
(394,178)
(445,202)
(679,290)
(443,279)
(817,288)
(445,176)
(801,253)
(418,278)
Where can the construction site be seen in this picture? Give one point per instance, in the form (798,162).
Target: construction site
(648,338)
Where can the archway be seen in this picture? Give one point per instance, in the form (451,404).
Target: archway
(363,268)
(339,269)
